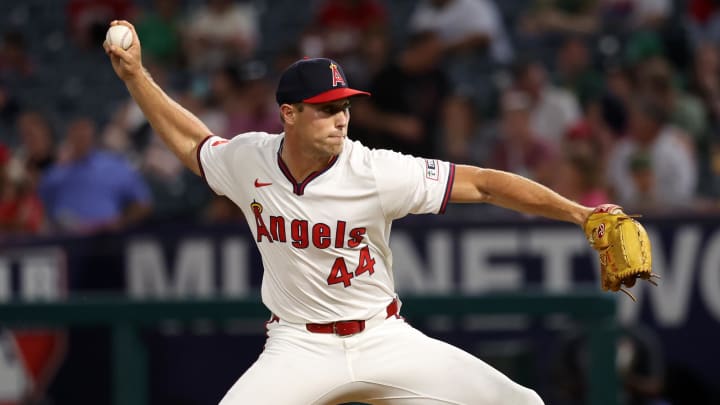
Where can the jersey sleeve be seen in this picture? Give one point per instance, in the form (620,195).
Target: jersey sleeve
(411,185)
(215,160)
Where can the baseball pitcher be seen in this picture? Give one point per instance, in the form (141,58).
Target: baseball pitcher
(320,208)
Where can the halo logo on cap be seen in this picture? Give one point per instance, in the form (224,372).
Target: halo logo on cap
(314,81)
(336,76)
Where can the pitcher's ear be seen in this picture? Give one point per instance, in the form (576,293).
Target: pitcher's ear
(287,114)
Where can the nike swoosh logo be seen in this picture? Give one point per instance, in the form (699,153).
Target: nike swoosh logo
(259,184)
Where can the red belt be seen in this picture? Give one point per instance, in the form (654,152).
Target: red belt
(346,328)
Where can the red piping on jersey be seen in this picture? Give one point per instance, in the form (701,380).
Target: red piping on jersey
(448,189)
(199,147)
(299,188)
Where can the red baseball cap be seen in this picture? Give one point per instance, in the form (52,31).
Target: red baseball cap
(314,81)
(579,130)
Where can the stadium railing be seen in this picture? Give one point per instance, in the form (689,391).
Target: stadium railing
(124,316)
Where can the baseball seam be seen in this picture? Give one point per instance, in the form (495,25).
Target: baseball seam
(122,41)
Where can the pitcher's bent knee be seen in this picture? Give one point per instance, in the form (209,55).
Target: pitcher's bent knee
(531,397)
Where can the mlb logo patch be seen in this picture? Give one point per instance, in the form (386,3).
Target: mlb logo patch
(431,169)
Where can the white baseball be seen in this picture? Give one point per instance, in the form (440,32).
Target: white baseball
(119,35)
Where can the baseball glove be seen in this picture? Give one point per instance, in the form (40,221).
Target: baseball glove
(623,246)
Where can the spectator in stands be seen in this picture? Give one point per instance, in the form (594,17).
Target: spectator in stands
(339,26)
(160,31)
(9,110)
(368,60)
(641,171)
(350,18)
(519,149)
(462,132)
(651,14)
(128,131)
(408,96)
(656,81)
(705,81)
(20,208)
(703,21)
(37,144)
(89,190)
(348,31)
(582,179)
(88,19)
(196,101)
(607,114)
(553,110)
(464,26)
(654,150)
(222,32)
(603,123)
(15,62)
(639,46)
(637,14)
(580,172)
(551,17)
(619,83)
(574,70)
(177,193)
(244,96)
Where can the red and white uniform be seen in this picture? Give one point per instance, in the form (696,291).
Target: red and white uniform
(341,213)
(324,243)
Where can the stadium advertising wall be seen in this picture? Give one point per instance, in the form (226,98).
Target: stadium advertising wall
(435,257)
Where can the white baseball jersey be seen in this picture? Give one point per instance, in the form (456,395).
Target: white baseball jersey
(324,241)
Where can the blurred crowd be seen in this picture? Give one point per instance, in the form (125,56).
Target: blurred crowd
(602,100)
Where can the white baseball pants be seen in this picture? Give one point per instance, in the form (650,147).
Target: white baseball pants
(390,362)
